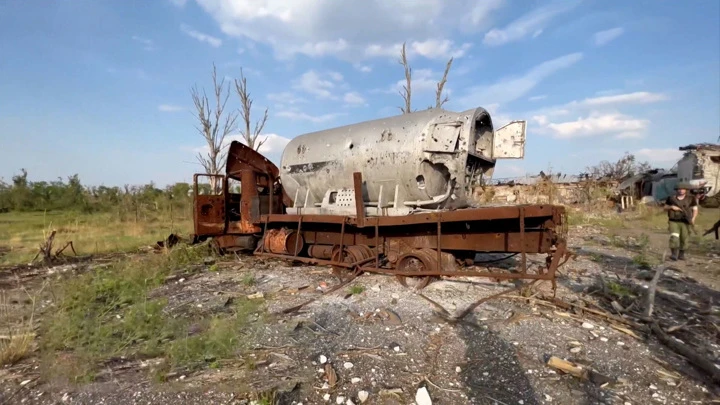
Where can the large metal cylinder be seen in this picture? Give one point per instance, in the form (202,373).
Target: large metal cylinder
(426,154)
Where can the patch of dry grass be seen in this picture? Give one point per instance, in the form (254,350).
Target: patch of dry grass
(22,233)
(19,330)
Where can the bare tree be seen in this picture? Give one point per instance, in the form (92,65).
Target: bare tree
(214,126)
(439,101)
(406,93)
(251,138)
(627,166)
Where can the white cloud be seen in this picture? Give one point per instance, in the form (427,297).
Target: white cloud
(285,97)
(148,44)
(659,157)
(603,37)
(619,125)
(354,99)
(512,88)
(531,23)
(321,48)
(209,39)
(170,108)
(273,144)
(301,116)
(363,68)
(538,98)
(322,27)
(310,82)
(639,97)
(430,49)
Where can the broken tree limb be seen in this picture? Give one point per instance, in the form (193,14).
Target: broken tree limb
(692,356)
(650,297)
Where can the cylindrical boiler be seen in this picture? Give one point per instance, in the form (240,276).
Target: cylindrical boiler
(427,155)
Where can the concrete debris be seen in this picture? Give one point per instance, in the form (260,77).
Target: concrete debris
(363,396)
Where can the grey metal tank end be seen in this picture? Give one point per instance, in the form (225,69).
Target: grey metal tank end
(425,160)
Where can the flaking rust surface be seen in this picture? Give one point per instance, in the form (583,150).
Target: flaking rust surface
(388,339)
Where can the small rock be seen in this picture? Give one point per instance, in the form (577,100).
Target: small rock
(348,365)
(521,402)
(257,295)
(396,348)
(323,359)
(458,369)
(349,402)
(574,343)
(182,377)
(326,397)
(422,397)
(181,280)
(548,398)
(209,261)
(363,396)
(486,373)
(25,383)
(355,380)
(395,296)
(621,343)
(653,387)
(576,349)
(603,339)
(588,325)
(339,400)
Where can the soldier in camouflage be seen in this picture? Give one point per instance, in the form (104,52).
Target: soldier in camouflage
(682,210)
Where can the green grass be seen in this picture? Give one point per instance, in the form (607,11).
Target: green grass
(22,232)
(356,289)
(108,313)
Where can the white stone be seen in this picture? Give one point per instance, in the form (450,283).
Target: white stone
(348,365)
(355,380)
(576,349)
(458,369)
(349,402)
(396,296)
(339,400)
(422,397)
(363,396)
(587,325)
(323,359)
(326,397)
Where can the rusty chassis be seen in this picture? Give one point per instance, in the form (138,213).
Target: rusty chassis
(416,248)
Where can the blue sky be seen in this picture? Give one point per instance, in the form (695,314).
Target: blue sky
(102,88)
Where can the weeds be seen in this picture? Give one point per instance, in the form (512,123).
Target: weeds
(249,279)
(356,289)
(108,313)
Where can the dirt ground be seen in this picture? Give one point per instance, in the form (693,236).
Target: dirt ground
(388,342)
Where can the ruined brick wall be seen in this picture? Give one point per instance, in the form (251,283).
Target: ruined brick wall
(543,193)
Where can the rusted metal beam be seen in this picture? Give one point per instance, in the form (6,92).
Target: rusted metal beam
(359,203)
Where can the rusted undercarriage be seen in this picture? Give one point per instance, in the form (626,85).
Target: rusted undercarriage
(415,248)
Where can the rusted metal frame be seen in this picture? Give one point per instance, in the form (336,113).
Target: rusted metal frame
(262,245)
(377,244)
(342,240)
(299,235)
(322,262)
(522,239)
(488,274)
(559,252)
(439,238)
(359,203)
(461,215)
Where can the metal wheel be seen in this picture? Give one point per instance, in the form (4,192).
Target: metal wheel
(418,260)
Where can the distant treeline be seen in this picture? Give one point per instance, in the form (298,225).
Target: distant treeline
(129,202)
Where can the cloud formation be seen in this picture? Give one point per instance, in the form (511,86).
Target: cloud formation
(202,37)
(603,37)
(514,87)
(529,24)
(323,27)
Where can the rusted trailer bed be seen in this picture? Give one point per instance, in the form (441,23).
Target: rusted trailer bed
(385,236)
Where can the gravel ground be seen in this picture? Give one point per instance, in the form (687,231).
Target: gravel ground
(389,342)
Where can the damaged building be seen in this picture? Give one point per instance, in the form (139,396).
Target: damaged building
(699,166)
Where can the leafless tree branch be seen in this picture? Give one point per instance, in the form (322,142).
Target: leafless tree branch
(251,138)
(439,101)
(406,93)
(213,125)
